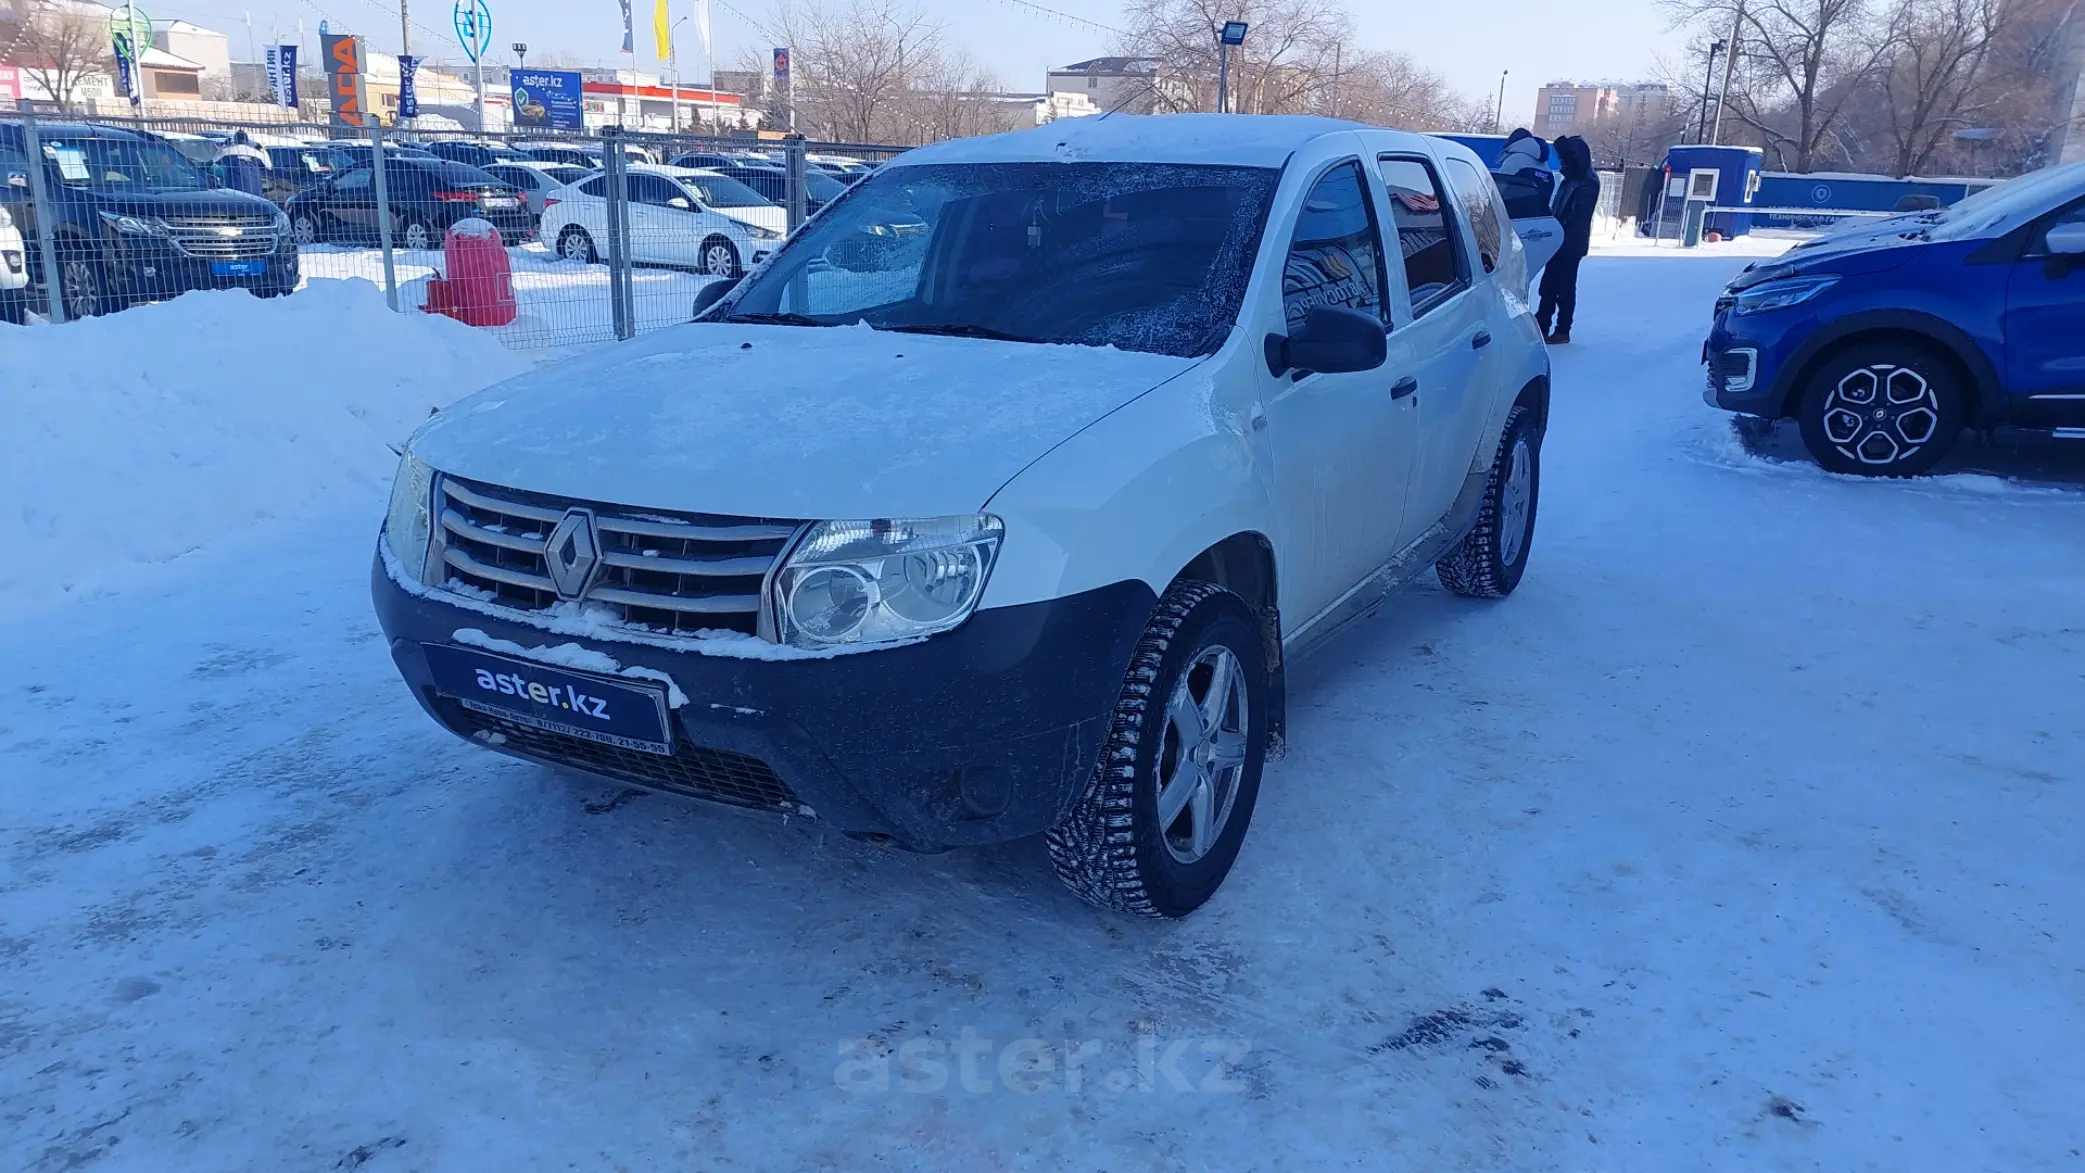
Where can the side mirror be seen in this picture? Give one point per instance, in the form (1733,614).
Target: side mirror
(2067,240)
(680,202)
(1333,341)
(710,295)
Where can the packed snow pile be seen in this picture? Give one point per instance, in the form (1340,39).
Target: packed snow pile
(141,436)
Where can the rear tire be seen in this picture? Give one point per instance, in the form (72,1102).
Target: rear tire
(418,236)
(574,244)
(1488,562)
(1886,408)
(304,228)
(1176,744)
(80,284)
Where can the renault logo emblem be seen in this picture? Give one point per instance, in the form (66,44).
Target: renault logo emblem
(573,554)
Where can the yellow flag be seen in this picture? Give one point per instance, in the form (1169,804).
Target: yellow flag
(662,31)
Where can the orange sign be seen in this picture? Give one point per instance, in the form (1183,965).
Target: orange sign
(343,58)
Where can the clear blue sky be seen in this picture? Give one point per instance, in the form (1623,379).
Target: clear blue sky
(1469,41)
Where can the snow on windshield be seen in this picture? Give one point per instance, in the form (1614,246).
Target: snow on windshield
(1142,256)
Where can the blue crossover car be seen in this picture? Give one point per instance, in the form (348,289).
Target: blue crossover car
(1887,340)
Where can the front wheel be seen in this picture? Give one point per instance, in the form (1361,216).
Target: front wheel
(1160,821)
(1488,562)
(1883,409)
(416,236)
(719,258)
(574,244)
(304,227)
(80,284)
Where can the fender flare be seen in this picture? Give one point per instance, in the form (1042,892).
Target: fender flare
(1985,387)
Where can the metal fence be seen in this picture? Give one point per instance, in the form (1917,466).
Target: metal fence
(601,237)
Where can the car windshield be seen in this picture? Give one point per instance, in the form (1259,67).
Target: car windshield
(2008,205)
(720,191)
(1140,256)
(122,164)
(821,186)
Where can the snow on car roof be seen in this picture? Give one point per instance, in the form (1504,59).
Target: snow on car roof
(1249,140)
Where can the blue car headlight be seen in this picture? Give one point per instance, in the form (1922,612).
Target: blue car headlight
(1779,295)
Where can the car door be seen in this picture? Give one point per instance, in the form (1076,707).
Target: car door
(1449,333)
(1340,445)
(662,224)
(2045,327)
(347,206)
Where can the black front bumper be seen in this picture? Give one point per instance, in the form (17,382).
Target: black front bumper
(153,271)
(980,735)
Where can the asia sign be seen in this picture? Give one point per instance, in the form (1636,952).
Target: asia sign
(548,100)
(343,57)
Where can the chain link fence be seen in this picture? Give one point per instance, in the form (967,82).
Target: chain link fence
(599,237)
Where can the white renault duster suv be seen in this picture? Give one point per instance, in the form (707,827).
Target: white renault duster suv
(999,501)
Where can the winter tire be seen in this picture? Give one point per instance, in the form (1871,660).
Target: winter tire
(1159,824)
(1488,562)
(304,229)
(417,236)
(1883,409)
(719,258)
(574,244)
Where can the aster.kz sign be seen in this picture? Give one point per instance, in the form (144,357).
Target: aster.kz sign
(546,99)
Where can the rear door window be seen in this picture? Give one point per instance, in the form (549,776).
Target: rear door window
(1433,264)
(1480,206)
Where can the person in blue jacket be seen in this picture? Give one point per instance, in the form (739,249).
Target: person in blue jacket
(245,165)
(1577,198)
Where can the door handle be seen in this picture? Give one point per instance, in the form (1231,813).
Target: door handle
(1481,340)
(1403,387)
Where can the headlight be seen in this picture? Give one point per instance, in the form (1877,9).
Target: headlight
(408,525)
(6,218)
(282,220)
(135,225)
(866,582)
(1778,295)
(758,233)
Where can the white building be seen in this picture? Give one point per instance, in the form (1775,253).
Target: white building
(206,49)
(1109,83)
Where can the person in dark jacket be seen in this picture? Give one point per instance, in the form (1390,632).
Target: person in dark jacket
(245,165)
(1577,198)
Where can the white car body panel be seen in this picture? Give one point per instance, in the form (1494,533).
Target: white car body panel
(11,242)
(661,235)
(844,421)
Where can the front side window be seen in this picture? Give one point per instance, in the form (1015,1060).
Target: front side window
(1433,265)
(1142,256)
(1336,254)
(2075,214)
(655,190)
(357,180)
(720,191)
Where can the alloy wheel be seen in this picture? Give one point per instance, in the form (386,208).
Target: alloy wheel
(1513,502)
(1202,756)
(304,230)
(1881,414)
(82,289)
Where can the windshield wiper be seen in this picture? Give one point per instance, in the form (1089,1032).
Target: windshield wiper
(766,318)
(962,330)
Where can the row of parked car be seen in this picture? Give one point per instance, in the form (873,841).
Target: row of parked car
(141,216)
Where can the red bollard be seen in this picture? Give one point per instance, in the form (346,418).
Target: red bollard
(479,290)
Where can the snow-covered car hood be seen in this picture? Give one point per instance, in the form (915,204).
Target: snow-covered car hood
(772,219)
(787,422)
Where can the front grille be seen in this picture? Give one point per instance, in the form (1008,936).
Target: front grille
(713,774)
(677,574)
(224,237)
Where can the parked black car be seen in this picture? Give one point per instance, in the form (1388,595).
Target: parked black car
(351,153)
(135,220)
(553,153)
(773,183)
(426,195)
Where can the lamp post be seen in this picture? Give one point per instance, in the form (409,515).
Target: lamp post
(1701,129)
(1498,112)
(1231,32)
(520,54)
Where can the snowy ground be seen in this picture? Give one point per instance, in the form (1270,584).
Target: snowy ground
(1744,837)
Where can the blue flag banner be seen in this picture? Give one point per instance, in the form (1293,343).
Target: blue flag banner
(408,98)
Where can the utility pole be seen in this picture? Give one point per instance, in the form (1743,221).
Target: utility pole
(1737,28)
(673,54)
(1337,47)
(1701,129)
(1231,32)
(405,49)
(1498,112)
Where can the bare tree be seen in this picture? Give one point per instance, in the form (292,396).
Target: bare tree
(60,49)
(854,63)
(1282,67)
(1934,80)
(1390,89)
(1804,58)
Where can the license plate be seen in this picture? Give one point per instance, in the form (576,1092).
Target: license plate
(238,268)
(552,699)
(500,201)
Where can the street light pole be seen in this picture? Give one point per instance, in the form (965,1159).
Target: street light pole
(1701,129)
(1231,32)
(1737,27)
(673,54)
(1498,112)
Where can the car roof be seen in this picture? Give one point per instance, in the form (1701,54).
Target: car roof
(1243,140)
(89,130)
(673,172)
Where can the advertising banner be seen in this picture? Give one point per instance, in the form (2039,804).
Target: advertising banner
(408,98)
(282,74)
(548,100)
(343,57)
